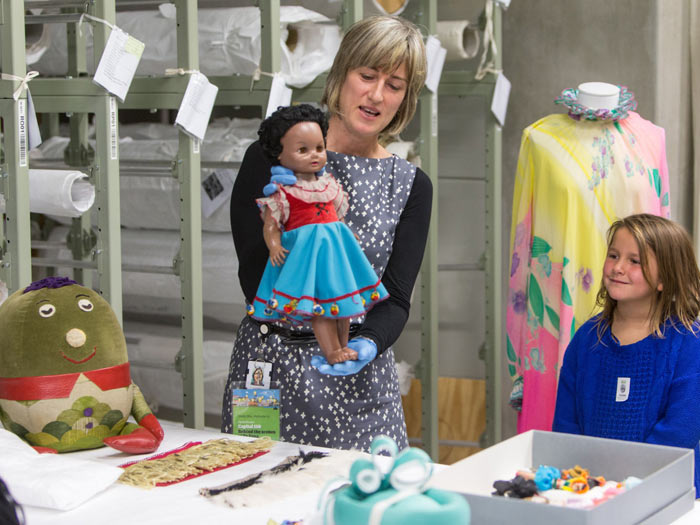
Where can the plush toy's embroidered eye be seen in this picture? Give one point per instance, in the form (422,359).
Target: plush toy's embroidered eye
(47,310)
(85,305)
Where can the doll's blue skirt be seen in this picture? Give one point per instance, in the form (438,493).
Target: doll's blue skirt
(325,273)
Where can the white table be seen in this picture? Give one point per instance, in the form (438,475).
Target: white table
(181,503)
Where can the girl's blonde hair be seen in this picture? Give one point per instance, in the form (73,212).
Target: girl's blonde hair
(382,43)
(679,298)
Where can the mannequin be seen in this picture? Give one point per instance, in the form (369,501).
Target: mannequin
(576,174)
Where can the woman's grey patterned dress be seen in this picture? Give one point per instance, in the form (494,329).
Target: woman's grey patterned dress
(338,411)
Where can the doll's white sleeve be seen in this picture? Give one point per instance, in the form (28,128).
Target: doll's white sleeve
(278,206)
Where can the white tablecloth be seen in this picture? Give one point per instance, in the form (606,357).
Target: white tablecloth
(181,503)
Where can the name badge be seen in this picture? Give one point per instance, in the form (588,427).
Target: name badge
(623,389)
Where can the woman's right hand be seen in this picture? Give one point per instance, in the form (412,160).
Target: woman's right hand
(278,254)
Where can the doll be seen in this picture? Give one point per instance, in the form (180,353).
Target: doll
(317,271)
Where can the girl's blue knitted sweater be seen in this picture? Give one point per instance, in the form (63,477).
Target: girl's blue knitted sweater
(656,382)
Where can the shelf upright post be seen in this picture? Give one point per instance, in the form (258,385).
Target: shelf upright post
(15,238)
(494,261)
(190,258)
(108,250)
(428,149)
(350,13)
(271,53)
(79,153)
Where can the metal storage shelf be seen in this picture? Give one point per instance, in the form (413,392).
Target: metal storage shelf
(80,96)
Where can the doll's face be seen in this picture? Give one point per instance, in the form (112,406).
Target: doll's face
(303,148)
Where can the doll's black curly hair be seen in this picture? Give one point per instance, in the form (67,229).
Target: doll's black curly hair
(274,127)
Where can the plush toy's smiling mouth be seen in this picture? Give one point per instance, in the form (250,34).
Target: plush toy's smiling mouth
(79,361)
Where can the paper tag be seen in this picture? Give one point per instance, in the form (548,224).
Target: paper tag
(22,130)
(216,190)
(113,132)
(623,389)
(280,95)
(499,103)
(118,63)
(256,412)
(33,132)
(195,108)
(436,60)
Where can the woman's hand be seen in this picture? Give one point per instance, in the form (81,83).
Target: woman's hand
(278,254)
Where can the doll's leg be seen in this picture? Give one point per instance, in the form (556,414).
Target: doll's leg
(326,332)
(343,331)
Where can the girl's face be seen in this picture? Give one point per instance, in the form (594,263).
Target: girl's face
(622,272)
(303,149)
(369,99)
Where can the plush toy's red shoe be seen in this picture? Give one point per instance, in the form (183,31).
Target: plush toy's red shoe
(143,439)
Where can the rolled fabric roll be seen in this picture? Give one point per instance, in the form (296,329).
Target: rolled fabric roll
(65,193)
(459,38)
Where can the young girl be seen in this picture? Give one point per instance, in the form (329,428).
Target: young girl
(317,271)
(633,371)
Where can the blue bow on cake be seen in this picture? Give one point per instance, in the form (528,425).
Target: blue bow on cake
(389,489)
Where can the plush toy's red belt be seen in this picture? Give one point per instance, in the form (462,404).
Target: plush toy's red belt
(60,385)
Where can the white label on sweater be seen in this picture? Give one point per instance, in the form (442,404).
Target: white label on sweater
(623,389)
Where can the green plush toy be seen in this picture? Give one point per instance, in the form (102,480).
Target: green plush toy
(64,372)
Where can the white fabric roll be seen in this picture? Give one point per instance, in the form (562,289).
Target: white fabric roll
(63,193)
(459,38)
(60,192)
(37,40)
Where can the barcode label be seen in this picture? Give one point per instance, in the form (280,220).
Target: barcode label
(22,131)
(195,145)
(113,136)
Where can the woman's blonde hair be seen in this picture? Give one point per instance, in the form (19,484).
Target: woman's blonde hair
(382,43)
(679,298)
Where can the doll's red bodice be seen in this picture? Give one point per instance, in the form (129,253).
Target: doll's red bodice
(302,212)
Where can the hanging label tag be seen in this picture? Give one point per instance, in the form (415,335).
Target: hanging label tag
(501,94)
(33,132)
(113,131)
(435,54)
(256,412)
(195,108)
(22,130)
(216,190)
(280,95)
(623,389)
(118,63)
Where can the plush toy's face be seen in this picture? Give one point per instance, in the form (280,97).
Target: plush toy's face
(58,331)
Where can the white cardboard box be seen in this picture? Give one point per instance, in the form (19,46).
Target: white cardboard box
(665,494)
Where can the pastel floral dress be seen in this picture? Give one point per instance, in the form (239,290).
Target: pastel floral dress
(573,180)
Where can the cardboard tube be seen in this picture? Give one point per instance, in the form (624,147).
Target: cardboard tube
(459,38)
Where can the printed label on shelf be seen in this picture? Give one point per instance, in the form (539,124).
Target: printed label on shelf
(501,94)
(216,190)
(33,133)
(22,130)
(118,63)
(113,134)
(436,61)
(280,95)
(195,108)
